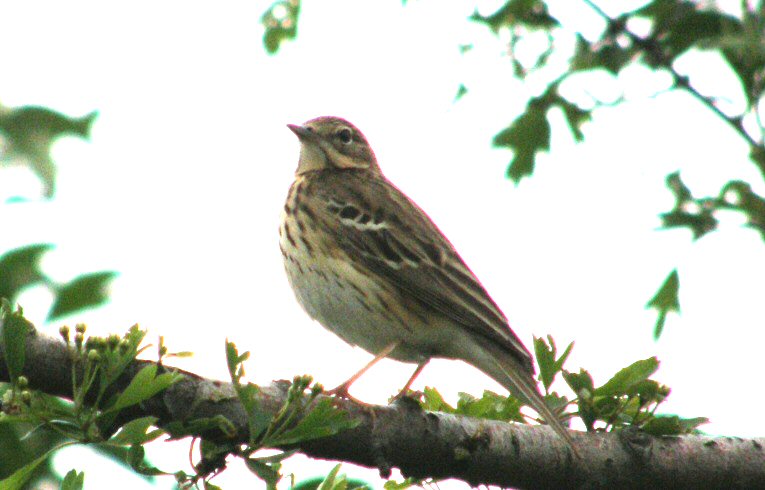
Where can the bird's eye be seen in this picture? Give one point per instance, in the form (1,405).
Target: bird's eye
(345,136)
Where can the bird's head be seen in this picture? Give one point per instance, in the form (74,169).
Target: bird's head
(332,142)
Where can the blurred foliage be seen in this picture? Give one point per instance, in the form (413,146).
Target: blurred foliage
(27,134)
(676,26)
(19,269)
(280,24)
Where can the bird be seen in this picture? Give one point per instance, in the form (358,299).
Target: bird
(370,265)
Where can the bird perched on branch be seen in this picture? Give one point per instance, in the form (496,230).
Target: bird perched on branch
(369,265)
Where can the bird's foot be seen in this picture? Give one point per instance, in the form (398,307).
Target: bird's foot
(342,392)
(406,394)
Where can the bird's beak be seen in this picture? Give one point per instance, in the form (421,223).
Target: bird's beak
(301,132)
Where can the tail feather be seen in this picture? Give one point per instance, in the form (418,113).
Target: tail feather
(519,380)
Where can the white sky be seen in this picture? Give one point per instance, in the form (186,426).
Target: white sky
(181,187)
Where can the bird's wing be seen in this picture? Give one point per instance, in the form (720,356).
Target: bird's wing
(380,227)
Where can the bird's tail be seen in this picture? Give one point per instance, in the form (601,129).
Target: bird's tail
(519,380)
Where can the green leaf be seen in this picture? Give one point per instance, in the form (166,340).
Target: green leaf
(17,480)
(689,212)
(649,391)
(434,402)
(234,361)
(269,473)
(257,420)
(85,291)
(549,366)
(680,25)
(580,382)
(583,386)
(626,379)
(333,481)
(461,91)
(738,195)
(545,359)
(19,268)
(575,117)
(144,385)
(323,420)
(137,432)
(599,54)
(403,485)
(73,480)
(558,367)
(137,460)
(490,406)
(665,301)
(526,136)
(671,425)
(531,14)
(136,455)
(14,328)
(180,429)
(124,356)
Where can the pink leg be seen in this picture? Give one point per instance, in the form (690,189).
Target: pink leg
(342,389)
(408,384)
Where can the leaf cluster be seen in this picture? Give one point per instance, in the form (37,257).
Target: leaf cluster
(629,398)
(96,364)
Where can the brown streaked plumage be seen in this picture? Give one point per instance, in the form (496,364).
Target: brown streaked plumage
(369,265)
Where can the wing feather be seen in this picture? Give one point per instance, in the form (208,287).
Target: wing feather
(402,245)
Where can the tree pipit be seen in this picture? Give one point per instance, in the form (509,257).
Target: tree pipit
(369,265)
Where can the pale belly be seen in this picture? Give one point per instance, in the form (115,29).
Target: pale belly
(354,307)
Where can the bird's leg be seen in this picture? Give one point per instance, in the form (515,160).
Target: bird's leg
(408,384)
(342,389)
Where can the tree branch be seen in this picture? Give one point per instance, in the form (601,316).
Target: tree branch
(438,445)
